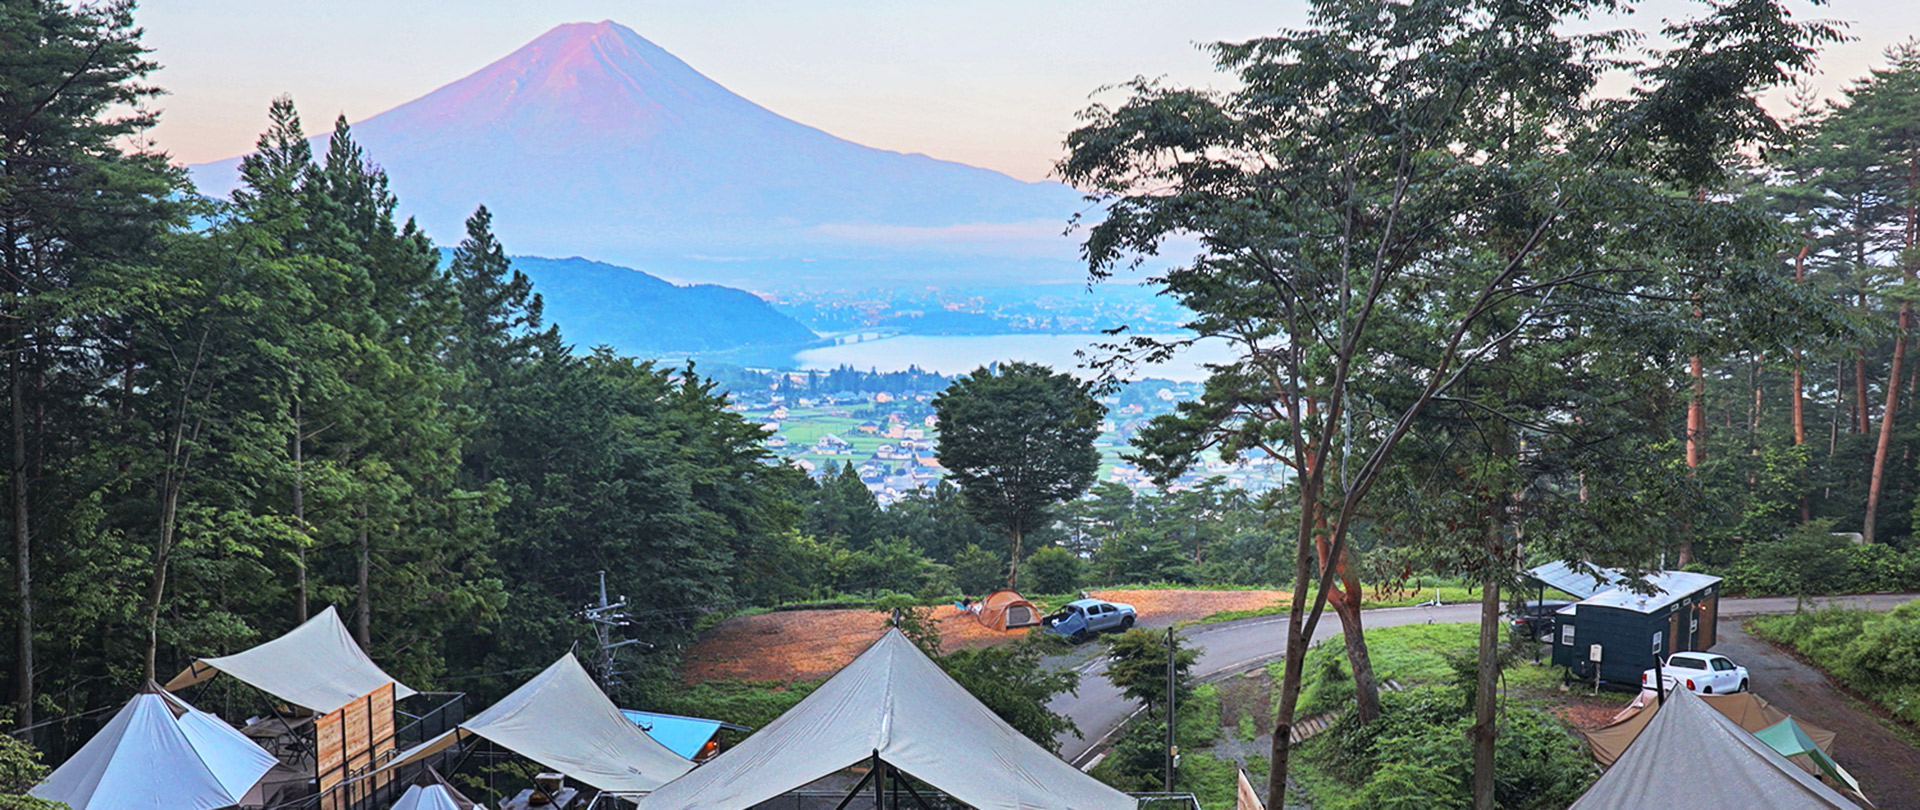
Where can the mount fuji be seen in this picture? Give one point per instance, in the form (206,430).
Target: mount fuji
(592,141)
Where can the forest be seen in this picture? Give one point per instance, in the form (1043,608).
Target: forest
(225,415)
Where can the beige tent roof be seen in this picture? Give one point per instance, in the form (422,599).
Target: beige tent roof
(1692,756)
(560,719)
(316,666)
(1746,709)
(896,703)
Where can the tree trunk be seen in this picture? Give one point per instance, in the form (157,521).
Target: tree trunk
(1345,601)
(162,556)
(22,535)
(1861,418)
(1696,429)
(1485,728)
(1013,561)
(1878,477)
(1292,669)
(1799,395)
(363,604)
(300,515)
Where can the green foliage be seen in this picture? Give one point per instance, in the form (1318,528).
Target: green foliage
(1412,653)
(1138,759)
(1018,439)
(1208,534)
(1876,654)
(750,704)
(20,770)
(938,523)
(978,571)
(1418,748)
(1137,662)
(1013,681)
(1054,570)
(1811,559)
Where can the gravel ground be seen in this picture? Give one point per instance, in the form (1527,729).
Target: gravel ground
(813,644)
(1887,766)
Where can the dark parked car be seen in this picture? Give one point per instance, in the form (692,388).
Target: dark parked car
(1535,617)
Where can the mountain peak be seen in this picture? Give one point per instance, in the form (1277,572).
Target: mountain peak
(591,139)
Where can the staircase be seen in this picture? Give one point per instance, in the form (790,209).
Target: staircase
(1311,726)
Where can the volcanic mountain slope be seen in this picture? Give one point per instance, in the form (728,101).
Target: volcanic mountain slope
(591,140)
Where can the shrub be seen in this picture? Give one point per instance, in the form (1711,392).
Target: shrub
(1886,652)
(1877,654)
(1812,560)
(20,770)
(1054,570)
(978,571)
(890,564)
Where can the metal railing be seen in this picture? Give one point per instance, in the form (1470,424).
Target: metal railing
(836,799)
(357,792)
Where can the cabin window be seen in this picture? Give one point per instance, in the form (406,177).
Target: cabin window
(1657,638)
(1566,634)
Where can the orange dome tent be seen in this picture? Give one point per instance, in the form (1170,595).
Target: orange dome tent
(1007,610)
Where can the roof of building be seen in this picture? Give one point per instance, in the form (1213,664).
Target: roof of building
(1580,584)
(1668,587)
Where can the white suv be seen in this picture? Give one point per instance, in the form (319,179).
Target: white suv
(1702,673)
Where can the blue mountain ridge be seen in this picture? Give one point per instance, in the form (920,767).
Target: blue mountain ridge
(643,315)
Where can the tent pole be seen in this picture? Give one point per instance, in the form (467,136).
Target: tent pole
(879,778)
(911,792)
(861,785)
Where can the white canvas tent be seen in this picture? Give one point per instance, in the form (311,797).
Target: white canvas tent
(431,792)
(159,753)
(316,666)
(560,719)
(1690,755)
(894,704)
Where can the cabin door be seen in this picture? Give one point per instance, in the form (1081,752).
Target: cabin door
(1675,641)
(1708,614)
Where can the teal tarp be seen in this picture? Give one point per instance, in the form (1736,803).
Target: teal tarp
(1790,740)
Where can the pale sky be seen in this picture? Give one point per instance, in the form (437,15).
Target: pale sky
(992,83)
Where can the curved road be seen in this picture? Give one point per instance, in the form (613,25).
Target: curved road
(1229,648)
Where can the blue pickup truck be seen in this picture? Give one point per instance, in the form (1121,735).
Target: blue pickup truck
(1083,619)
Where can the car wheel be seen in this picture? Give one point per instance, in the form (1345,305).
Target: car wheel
(1743,686)
(1126,623)
(1078,637)
(1707,691)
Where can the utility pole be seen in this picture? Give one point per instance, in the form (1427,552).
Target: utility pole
(1173,744)
(605,617)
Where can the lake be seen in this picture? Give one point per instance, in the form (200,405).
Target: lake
(959,354)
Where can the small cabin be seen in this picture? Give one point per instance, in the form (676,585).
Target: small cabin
(1620,631)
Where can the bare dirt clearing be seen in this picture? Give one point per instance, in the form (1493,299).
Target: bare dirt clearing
(805,645)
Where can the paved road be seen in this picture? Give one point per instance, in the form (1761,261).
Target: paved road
(1227,648)
(1887,767)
